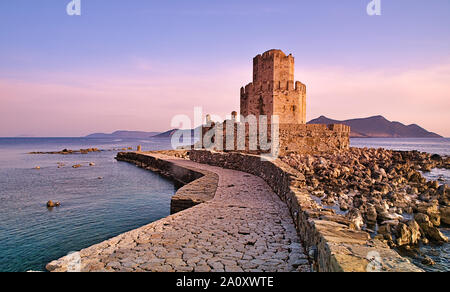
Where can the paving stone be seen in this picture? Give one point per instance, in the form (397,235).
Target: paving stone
(243,228)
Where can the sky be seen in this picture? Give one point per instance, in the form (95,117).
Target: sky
(134,65)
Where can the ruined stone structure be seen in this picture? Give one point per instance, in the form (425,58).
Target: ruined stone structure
(274,92)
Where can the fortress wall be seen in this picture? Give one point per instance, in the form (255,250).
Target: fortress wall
(273,90)
(305,138)
(285,99)
(335,246)
(302,138)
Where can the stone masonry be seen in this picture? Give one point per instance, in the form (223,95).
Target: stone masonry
(274,92)
(335,246)
(244,228)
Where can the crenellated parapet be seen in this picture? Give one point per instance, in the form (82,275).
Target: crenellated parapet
(273,90)
(273,65)
(263,86)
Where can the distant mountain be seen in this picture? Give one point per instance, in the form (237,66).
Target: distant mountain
(124,134)
(170,133)
(378,127)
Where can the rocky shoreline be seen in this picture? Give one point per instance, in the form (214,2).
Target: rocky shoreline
(69,151)
(329,238)
(382,192)
(80,151)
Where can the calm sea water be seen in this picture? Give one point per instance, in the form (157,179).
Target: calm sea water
(97,209)
(439,146)
(92,209)
(439,253)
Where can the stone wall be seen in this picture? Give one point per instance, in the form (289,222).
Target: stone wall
(301,138)
(273,65)
(273,90)
(334,246)
(287,100)
(244,228)
(198,187)
(313,138)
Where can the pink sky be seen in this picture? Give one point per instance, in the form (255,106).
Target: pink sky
(147,95)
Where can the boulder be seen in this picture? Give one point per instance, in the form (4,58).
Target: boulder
(343,205)
(415,232)
(428,229)
(441,190)
(445,214)
(433,184)
(426,167)
(444,195)
(388,216)
(428,261)
(371,213)
(403,235)
(432,210)
(408,234)
(384,229)
(329,200)
(436,157)
(355,218)
(51,204)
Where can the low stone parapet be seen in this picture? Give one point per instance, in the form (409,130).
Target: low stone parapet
(244,228)
(334,246)
(199,185)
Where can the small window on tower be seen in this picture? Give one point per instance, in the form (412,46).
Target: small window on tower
(261,105)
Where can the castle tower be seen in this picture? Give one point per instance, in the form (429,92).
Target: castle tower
(273,91)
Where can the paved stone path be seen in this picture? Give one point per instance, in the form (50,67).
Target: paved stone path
(246,227)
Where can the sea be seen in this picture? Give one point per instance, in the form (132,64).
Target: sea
(439,253)
(104,200)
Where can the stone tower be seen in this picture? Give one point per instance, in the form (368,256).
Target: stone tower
(273,90)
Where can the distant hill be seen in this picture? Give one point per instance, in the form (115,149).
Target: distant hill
(379,127)
(124,134)
(170,133)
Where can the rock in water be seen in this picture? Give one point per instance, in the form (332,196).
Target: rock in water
(432,211)
(445,214)
(428,261)
(429,230)
(51,204)
(355,217)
